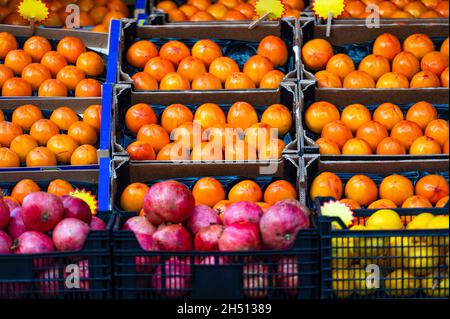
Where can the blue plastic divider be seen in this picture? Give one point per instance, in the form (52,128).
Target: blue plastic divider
(105,126)
(104,187)
(113,51)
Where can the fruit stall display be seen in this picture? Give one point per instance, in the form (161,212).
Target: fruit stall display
(47,229)
(95,15)
(160,129)
(398,58)
(48,132)
(400,227)
(222,237)
(205,58)
(220,10)
(340,127)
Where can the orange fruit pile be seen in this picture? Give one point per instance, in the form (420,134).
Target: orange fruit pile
(203,67)
(30,139)
(388,131)
(93,13)
(210,192)
(222,10)
(418,63)
(394,191)
(58,187)
(396,9)
(51,73)
(208,134)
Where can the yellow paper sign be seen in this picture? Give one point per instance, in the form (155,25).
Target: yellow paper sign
(274,9)
(88,198)
(338,209)
(33,10)
(322,8)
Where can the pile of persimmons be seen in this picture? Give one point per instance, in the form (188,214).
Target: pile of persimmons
(394,191)
(37,67)
(30,139)
(396,9)
(388,131)
(93,13)
(222,10)
(418,63)
(203,67)
(208,134)
(210,192)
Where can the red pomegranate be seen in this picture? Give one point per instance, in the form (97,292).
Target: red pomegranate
(50,282)
(76,208)
(207,239)
(143,230)
(202,217)
(146,264)
(242,212)
(173,237)
(77,275)
(16,226)
(174,280)
(70,234)
(256,280)
(169,201)
(240,237)
(213,260)
(5,243)
(280,225)
(288,275)
(12,290)
(11,204)
(33,242)
(4,214)
(42,211)
(97,224)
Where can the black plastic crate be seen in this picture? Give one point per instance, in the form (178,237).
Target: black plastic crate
(226,278)
(53,275)
(384,264)
(272,274)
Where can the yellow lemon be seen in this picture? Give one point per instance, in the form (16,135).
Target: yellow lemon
(436,287)
(420,222)
(343,283)
(361,286)
(385,219)
(401,283)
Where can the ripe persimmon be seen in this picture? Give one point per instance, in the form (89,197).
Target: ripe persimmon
(189,10)
(188,135)
(88,88)
(246,190)
(223,67)
(361,189)
(141,151)
(443,9)
(259,135)
(272,80)
(191,67)
(173,152)
(174,81)
(54,61)
(8,43)
(208,191)
(279,117)
(425,79)
(271,150)
(63,117)
(373,133)
(432,187)
(396,188)
(393,80)
(41,156)
(112,15)
(143,81)
(207,151)
(22,145)
(387,45)
(158,67)
(242,115)
(97,14)
(416,8)
(239,151)
(36,74)
(60,187)
(390,146)
(406,132)
(8,158)
(8,131)
(355,115)
(165,6)
(355,8)
(155,135)
(358,80)
(52,87)
(445,149)
(356,146)
(327,147)
(422,113)
(16,87)
(341,65)
(36,46)
(234,15)
(26,115)
(70,76)
(24,188)
(435,62)
(442,202)
(419,45)
(222,135)
(406,63)
(319,114)
(84,155)
(174,115)
(273,48)
(92,115)
(375,66)
(17,60)
(316,53)
(91,63)
(200,4)
(62,146)
(239,81)
(438,130)
(176,15)
(206,81)
(278,191)
(326,79)
(138,115)
(43,130)
(425,145)
(382,204)
(83,133)
(201,16)
(445,48)
(208,115)
(132,197)
(5,74)
(174,51)
(388,115)
(326,185)
(445,78)
(71,48)
(338,132)
(257,67)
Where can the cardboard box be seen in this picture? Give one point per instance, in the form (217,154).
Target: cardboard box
(219,31)
(311,166)
(125,98)
(310,94)
(123,173)
(347,34)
